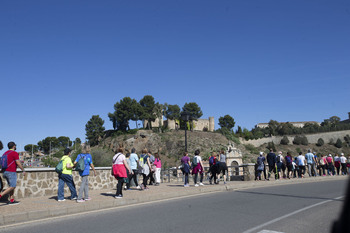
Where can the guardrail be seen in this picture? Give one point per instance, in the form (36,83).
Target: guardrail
(235,173)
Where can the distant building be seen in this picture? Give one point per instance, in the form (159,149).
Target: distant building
(199,125)
(300,124)
(346,121)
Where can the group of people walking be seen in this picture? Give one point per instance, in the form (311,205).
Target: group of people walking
(288,167)
(217,166)
(126,168)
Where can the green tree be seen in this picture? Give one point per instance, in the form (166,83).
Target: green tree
(77,141)
(273,125)
(64,141)
(239,131)
(48,144)
(94,130)
(124,110)
(320,142)
(297,140)
(193,110)
(227,122)
(284,128)
(271,145)
(285,140)
(172,112)
(347,140)
(147,103)
(31,147)
(338,143)
(136,112)
(304,140)
(247,135)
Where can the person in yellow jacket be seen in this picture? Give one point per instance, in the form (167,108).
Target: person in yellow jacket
(66,177)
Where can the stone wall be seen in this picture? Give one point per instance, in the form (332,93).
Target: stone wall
(44,182)
(312,138)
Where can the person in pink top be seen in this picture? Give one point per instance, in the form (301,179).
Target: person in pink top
(158,163)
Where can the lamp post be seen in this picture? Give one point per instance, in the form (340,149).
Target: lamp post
(185,116)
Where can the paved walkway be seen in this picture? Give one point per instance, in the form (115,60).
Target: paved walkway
(39,208)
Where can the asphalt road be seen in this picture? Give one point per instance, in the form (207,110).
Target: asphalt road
(304,207)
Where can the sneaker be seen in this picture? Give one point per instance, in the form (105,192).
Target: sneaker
(88,199)
(119,196)
(13,203)
(138,187)
(74,198)
(196,185)
(186,185)
(62,200)
(81,200)
(201,184)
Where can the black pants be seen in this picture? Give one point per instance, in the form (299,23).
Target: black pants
(145,179)
(272,168)
(343,169)
(151,180)
(196,177)
(134,177)
(120,186)
(301,170)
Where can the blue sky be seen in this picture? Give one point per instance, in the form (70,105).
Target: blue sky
(63,61)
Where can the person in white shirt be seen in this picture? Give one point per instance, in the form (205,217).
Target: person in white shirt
(301,164)
(343,161)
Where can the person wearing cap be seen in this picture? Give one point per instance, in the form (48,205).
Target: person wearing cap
(66,177)
(343,164)
(10,173)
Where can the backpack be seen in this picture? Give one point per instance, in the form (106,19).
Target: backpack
(80,167)
(194,161)
(59,167)
(279,159)
(212,160)
(142,162)
(288,159)
(259,160)
(4,160)
(322,161)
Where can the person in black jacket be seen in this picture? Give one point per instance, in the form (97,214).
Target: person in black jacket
(271,161)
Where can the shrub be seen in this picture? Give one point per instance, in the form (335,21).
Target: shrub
(285,140)
(320,142)
(338,143)
(300,140)
(297,140)
(252,149)
(304,141)
(271,145)
(101,157)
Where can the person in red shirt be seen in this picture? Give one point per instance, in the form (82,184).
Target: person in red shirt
(10,173)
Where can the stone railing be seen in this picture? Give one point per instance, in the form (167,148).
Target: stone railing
(44,181)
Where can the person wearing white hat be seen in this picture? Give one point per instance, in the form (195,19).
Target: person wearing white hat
(343,164)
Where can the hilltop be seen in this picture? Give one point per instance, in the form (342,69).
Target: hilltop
(170,145)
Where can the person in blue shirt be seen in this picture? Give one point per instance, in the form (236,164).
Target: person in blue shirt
(310,159)
(133,159)
(84,187)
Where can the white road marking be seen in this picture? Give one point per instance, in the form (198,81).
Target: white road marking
(288,215)
(267,231)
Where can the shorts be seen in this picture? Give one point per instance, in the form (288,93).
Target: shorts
(11,178)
